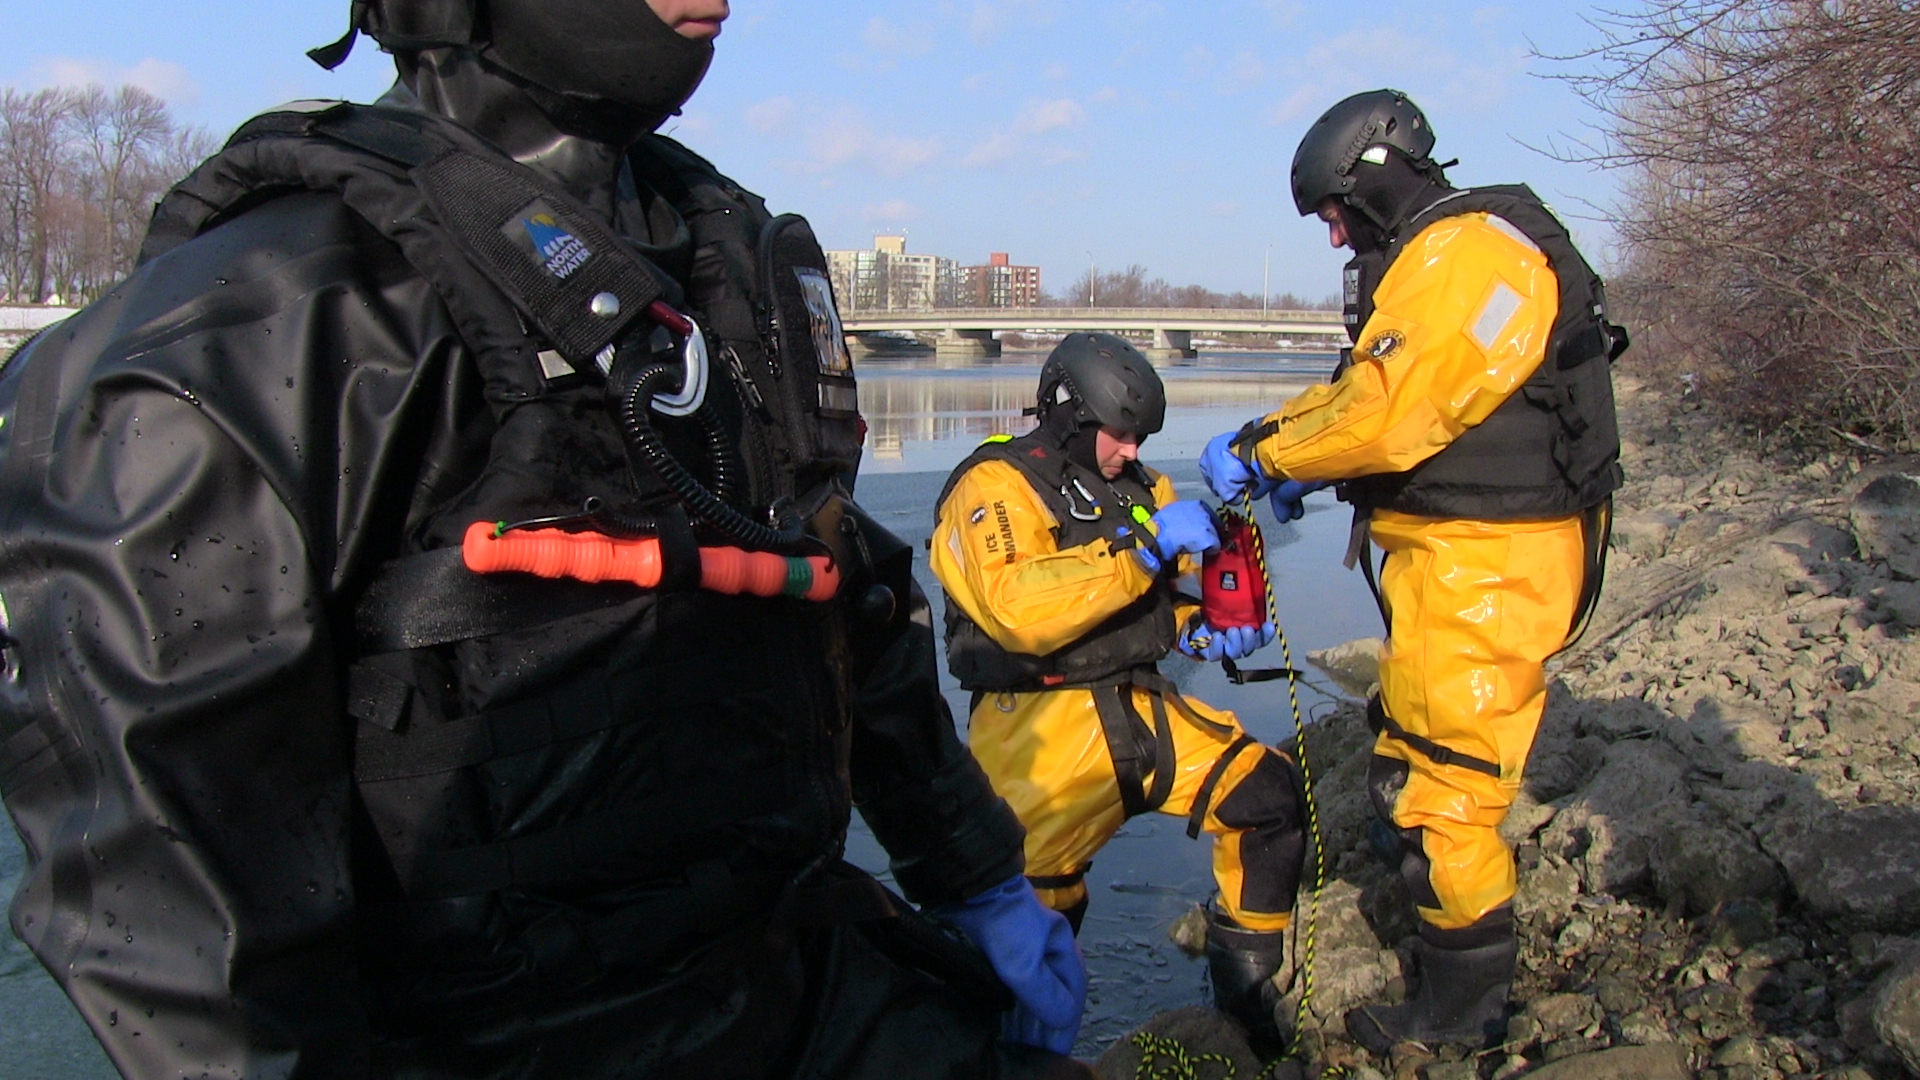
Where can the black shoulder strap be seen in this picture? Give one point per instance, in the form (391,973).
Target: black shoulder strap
(445,197)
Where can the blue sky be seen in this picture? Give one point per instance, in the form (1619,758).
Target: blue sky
(1143,131)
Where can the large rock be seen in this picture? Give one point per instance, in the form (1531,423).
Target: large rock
(1859,868)
(1646,534)
(1884,713)
(1698,866)
(1886,522)
(1157,1047)
(1609,828)
(1354,666)
(1658,1062)
(1896,1011)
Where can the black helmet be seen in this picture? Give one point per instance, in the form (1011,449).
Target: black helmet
(1100,379)
(1371,151)
(583,57)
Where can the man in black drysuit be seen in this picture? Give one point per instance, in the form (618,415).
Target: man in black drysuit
(304,796)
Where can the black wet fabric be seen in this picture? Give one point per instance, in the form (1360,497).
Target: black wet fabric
(1268,805)
(202,471)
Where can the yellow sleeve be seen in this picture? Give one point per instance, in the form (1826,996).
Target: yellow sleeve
(1460,320)
(994,552)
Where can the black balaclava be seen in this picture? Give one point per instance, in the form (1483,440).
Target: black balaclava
(598,67)
(1386,197)
(564,86)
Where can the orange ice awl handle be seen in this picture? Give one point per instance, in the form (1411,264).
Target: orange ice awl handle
(590,556)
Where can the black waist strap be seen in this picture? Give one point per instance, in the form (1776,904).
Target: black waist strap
(1378,720)
(432,598)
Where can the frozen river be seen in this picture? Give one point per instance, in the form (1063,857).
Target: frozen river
(924,418)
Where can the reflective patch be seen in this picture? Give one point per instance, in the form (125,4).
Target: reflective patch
(979,515)
(1384,344)
(839,398)
(1507,228)
(1492,321)
(829,339)
(1375,155)
(553,365)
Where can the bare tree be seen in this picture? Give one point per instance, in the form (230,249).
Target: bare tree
(1132,288)
(1771,218)
(80,170)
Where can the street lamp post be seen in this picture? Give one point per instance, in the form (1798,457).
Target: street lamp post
(1266,290)
(1093,276)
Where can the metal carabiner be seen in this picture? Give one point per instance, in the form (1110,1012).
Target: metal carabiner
(693,355)
(1092,503)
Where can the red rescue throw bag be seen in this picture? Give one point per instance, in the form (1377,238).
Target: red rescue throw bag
(1233,586)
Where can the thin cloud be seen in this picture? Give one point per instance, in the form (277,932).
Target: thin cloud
(892,211)
(844,138)
(164,79)
(772,116)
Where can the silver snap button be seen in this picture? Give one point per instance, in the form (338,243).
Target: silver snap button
(605,305)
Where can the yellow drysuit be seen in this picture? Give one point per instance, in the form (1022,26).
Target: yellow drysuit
(1476,606)
(1045,752)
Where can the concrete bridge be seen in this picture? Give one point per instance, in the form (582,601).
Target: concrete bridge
(968,332)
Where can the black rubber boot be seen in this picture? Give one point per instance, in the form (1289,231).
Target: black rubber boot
(1462,998)
(1241,964)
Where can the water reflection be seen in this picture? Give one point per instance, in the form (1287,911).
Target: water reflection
(923,416)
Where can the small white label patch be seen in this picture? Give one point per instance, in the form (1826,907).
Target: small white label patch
(1491,324)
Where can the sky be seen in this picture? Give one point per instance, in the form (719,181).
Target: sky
(1067,133)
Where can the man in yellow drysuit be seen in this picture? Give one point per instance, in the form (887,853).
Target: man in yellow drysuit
(1473,426)
(1058,551)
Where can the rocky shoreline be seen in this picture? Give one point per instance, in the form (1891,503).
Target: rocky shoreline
(1719,833)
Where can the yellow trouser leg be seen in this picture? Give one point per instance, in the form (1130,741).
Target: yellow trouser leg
(1477,609)
(1046,754)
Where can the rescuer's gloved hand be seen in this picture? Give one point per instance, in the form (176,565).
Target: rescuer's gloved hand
(1286,498)
(1180,528)
(1203,642)
(1228,474)
(1031,948)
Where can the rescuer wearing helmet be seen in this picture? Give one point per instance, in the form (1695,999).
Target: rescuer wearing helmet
(1473,428)
(1058,550)
(305,795)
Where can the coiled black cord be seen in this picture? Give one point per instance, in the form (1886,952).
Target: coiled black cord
(631,408)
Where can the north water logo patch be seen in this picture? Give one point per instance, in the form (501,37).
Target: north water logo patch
(536,231)
(1384,344)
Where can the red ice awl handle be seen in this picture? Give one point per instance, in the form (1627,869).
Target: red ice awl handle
(590,556)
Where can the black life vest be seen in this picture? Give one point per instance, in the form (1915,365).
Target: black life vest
(1552,449)
(1088,509)
(472,693)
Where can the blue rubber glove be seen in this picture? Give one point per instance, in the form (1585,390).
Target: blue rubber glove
(1227,474)
(1032,949)
(1180,528)
(1286,498)
(1203,642)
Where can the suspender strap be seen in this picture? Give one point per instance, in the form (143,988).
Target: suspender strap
(1204,799)
(1378,719)
(1596,534)
(1128,741)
